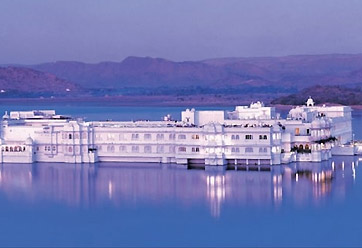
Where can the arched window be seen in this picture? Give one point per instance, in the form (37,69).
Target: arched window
(11,149)
(307,147)
(70,136)
(70,149)
(300,147)
(7,149)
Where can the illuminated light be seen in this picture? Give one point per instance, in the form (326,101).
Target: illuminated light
(219,193)
(323,176)
(208,180)
(110,189)
(343,165)
(296,177)
(212,180)
(274,179)
(218,180)
(333,165)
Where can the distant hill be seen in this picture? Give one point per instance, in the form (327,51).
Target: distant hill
(290,73)
(227,78)
(323,94)
(25,82)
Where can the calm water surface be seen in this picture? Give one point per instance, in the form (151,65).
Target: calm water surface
(110,204)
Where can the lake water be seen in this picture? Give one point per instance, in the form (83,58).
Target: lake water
(108,204)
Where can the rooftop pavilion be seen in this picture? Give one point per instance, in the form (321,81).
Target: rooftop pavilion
(309,112)
(255,111)
(33,115)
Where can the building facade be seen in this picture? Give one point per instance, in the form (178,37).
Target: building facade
(250,135)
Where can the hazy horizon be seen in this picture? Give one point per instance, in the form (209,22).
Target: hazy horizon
(33,32)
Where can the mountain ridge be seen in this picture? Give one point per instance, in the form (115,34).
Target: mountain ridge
(294,70)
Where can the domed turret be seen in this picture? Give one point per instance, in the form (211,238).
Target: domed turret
(310,102)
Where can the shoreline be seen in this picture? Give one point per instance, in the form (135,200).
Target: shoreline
(156,101)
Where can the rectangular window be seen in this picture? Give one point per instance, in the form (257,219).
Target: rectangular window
(171,136)
(195,149)
(249,149)
(235,137)
(235,150)
(160,136)
(181,136)
(160,149)
(182,149)
(122,148)
(263,137)
(135,136)
(147,136)
(263,150)
(172,149)
(135,149)
(195,136)
(148,149)
(110,148)
(297,131)
(248,137)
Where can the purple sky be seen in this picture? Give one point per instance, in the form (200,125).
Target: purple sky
(92,31)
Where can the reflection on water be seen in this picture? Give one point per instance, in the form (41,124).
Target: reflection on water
(131,184)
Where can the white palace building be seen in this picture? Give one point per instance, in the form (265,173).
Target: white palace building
(252,135)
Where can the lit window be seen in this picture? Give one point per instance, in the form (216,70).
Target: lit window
(195,136)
